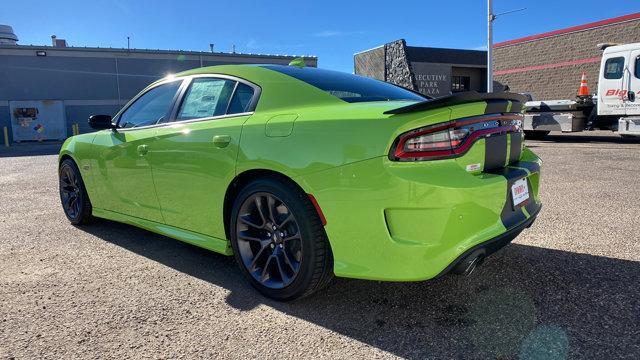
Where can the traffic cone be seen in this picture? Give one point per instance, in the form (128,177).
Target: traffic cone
(584,89)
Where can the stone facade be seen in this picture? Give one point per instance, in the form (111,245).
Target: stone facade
(426,70)
(550,65)
(398,68)
(388,63)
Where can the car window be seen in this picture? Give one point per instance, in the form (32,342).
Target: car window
(638,67)
(348,87)
(241,99)
(613,68)
(150,108)
(206,97)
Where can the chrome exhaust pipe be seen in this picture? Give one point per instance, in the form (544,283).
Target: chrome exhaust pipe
(467,265)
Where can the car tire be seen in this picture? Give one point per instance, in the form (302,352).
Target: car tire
(278,239)
(535,135)
(73,194)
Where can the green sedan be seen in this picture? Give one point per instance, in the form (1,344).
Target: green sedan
(305,174)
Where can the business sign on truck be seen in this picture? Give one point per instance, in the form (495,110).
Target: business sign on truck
(38,120)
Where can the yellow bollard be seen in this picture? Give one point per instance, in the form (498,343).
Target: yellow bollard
(6,137)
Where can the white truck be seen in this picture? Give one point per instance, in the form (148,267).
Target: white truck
(615,107)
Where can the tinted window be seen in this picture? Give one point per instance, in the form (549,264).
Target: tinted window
(348,87)
(613,68)
(206,97)
(241,99)
(150,108)
(638,67)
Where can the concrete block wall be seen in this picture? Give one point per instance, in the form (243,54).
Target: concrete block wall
(370,63)
(550,66)
(97,81)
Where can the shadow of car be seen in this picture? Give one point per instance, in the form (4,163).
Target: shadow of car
(525,301)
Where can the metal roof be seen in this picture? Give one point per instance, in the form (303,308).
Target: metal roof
(150,51)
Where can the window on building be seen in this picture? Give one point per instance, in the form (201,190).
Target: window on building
(638,67)
(150,108)
(460,83)
(206,97)
(613,68)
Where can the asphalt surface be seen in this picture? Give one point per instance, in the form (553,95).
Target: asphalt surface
(567,287)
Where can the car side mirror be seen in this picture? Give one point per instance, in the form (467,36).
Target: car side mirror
(632,96)
(101,122)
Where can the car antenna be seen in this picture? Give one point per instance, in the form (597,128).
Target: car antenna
(299,62)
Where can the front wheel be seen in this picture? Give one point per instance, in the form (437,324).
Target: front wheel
(73,195)
(279,241)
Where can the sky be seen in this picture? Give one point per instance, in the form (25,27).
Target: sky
(331,30)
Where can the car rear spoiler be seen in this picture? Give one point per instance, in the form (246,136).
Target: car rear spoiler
(496,102)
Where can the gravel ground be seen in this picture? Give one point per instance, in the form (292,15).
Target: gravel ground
(568,286)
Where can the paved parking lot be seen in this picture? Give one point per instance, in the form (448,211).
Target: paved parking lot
(567,286)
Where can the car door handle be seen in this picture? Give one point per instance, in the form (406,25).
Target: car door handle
(221,141)
(143,150)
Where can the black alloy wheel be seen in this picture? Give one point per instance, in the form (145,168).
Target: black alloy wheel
(278,239)
(269,240)
(73,195)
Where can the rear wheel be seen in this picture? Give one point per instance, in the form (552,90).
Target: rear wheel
(73,195)
(279,241)
(535,135)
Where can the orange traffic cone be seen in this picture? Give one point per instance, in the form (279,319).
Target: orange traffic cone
(584,89)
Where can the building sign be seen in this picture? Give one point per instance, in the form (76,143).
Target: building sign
(432,79)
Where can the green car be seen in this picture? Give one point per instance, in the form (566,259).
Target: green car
(305,174)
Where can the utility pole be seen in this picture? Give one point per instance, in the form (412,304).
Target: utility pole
(128,44)
(490,18)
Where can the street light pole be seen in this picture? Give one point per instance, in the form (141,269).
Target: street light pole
(490,18)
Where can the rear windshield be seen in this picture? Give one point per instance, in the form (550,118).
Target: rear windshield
(348,87)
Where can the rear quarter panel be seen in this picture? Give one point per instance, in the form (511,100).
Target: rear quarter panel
(326,137)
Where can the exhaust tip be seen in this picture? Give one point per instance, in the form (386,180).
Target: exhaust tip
(469,264)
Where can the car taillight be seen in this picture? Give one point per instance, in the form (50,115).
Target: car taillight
(452,138)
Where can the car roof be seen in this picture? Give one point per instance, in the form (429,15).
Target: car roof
(278,90)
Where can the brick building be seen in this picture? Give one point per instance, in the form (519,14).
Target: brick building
(549,65)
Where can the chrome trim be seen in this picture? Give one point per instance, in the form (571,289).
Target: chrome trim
(186,82)
(189,121)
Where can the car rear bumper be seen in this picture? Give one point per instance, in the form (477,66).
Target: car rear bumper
(413,221)
(491,246)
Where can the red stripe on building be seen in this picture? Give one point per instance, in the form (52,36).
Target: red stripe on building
(548,66)
(615,20)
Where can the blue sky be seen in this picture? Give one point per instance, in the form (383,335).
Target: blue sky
(331,30)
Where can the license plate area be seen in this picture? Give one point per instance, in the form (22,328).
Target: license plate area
(520,193)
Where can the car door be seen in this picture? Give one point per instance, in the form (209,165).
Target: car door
(124,178)
(633,107)
(194,157)
(611,84)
